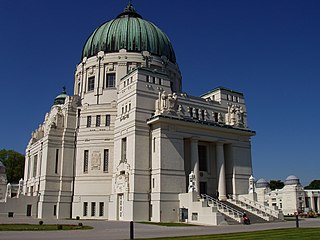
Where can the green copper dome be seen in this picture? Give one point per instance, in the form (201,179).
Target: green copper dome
(129,31)
(60,99)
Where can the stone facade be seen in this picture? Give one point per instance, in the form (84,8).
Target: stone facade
(123,146)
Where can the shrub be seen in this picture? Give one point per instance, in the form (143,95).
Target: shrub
(59,227)
(40,222)
(77,218)
(80,224)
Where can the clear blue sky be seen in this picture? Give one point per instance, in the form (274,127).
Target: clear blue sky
(269,50)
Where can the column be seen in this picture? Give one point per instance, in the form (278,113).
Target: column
(221,176)
(313,203)
(195,163)
(318,203)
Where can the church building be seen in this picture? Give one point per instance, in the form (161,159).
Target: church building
(128,142)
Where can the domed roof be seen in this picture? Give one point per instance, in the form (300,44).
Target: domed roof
(129,31)
(262,183)
(61,97)
(292,180)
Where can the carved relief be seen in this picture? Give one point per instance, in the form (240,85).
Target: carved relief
(122,178)
(96,160)
(166,103)
(235,115)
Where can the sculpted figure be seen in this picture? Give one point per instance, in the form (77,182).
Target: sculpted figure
(192,182)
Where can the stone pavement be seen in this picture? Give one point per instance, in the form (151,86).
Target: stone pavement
(120,230)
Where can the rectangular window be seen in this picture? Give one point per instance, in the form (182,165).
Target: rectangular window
(148,78)
(93,209)
(90,84)
(105,160)
(107,120)
(124,149)
(191,111)
(54,210)
(98,120)
(85,209)
(35,165)
(110,80)
(88,121)
(85,161)
(57,161)
(101,209)
(78,122)
(202,150)
(160,81)
(153,79)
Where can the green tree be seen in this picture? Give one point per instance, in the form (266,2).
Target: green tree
(315,184)
(14,163)
(276,184)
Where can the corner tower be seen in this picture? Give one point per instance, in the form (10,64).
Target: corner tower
(111,53)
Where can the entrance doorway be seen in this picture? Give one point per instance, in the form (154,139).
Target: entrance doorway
(203,188)
(29,207)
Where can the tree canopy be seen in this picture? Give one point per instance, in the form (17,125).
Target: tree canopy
(276,184)
(14,163)
(315,184)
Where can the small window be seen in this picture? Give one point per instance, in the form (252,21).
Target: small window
(57,161)
(194,217)
(85,161)
(124,149)
(93,209)
(107,120)
(153,79)
(110,80)
(129,106)
(191,111)
(54,210)
(90,84)
(105,160)
(88,121)
(160,81)
(85,209)
(35,165)
(101,209)
(148,78)
(98,120)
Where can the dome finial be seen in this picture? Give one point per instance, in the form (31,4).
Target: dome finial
(129,11)
(64,90)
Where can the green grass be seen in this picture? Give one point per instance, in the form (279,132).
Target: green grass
(290,233)
(44,227)
(169,224)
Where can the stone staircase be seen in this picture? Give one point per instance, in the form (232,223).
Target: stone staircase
(255,208)
(253,218)
(233,215)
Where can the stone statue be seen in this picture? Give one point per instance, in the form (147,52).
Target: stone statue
(192,182)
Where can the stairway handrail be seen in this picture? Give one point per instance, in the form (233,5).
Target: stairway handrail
(257,205)
(216,201)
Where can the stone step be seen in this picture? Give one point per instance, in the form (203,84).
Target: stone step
(253,218)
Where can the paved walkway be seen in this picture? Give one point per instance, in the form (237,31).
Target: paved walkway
(120,230)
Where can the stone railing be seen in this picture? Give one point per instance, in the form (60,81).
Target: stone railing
(258,207)
(223,208)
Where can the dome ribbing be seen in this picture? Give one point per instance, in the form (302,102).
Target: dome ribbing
(131,32)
